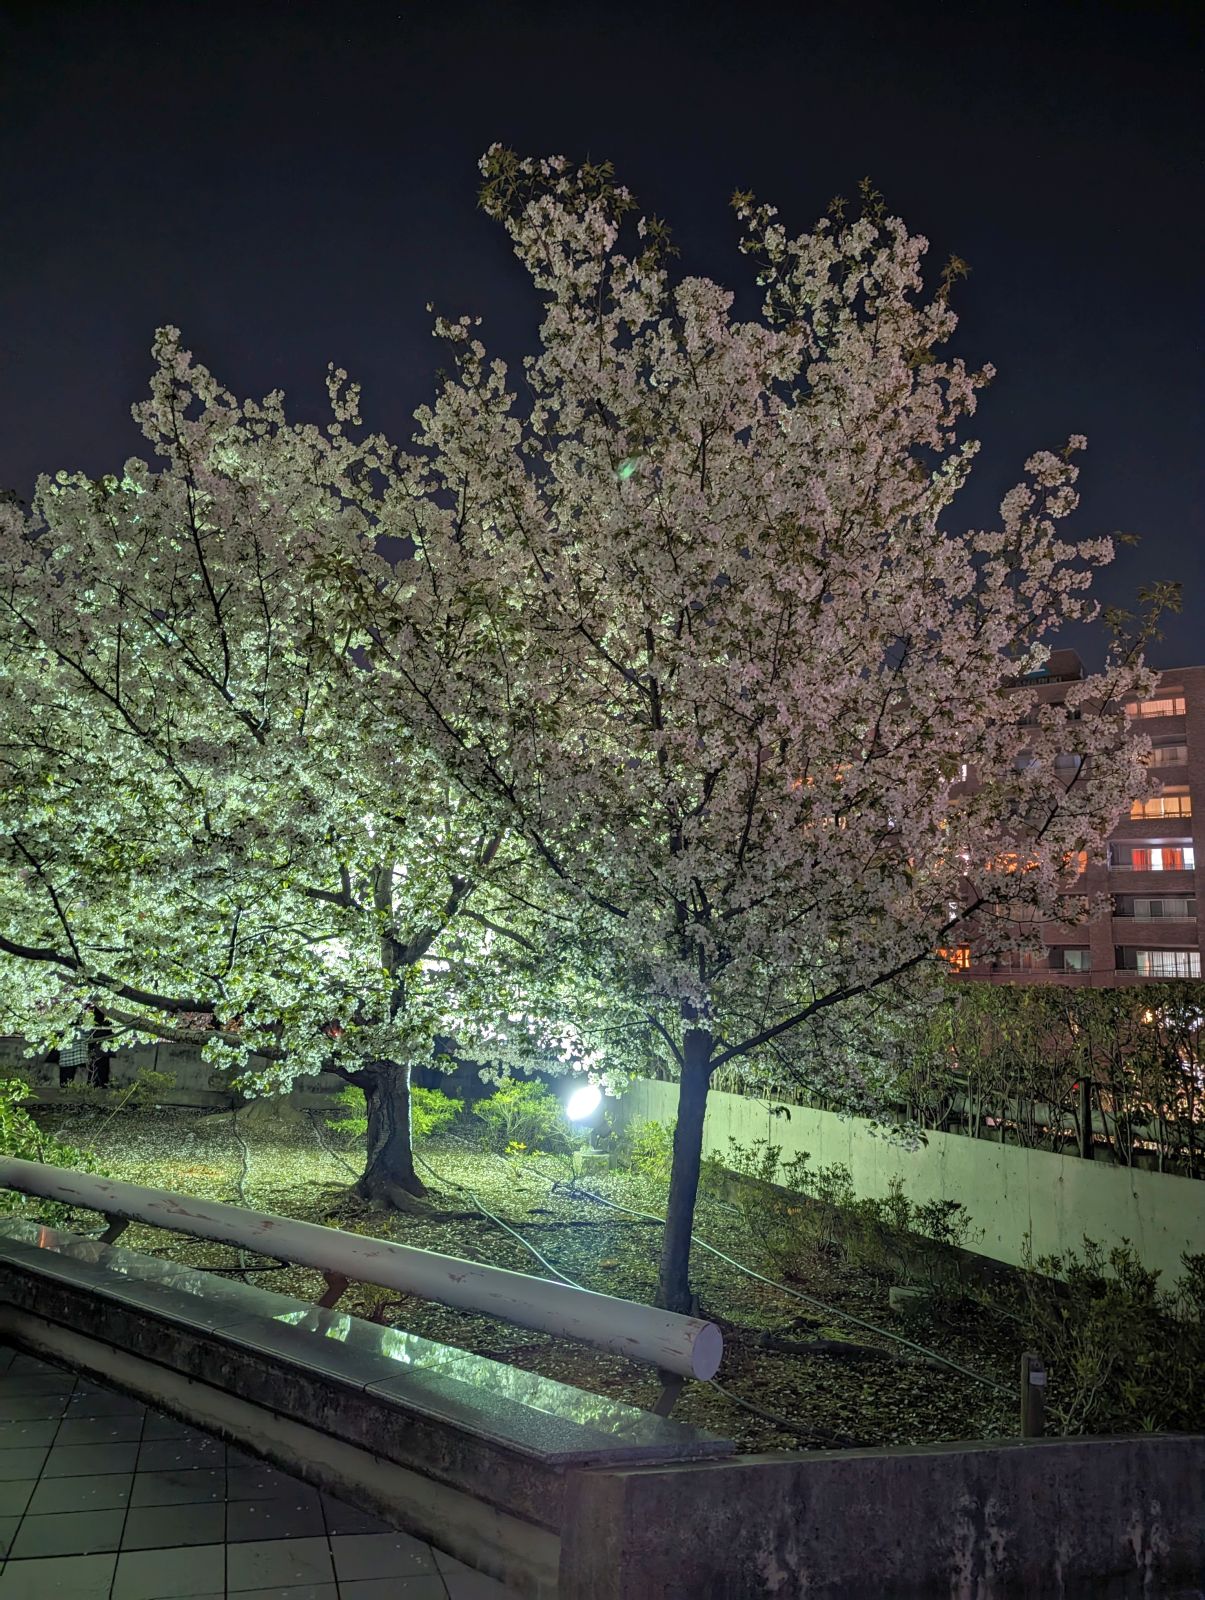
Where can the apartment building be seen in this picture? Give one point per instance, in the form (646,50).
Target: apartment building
(1156,857)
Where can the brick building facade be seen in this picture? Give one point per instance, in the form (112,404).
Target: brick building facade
(1156,856)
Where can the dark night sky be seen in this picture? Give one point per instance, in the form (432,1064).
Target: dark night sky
(290,184)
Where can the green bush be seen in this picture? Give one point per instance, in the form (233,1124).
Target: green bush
(645,1148)
(21,1136)
(1122,1354)
(430,1112)
(522,1115)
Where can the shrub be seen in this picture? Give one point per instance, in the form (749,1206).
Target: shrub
(1123,1354)
(21,1136)
(645,1148)
(876,1234)
(522,1115)
(430,1112)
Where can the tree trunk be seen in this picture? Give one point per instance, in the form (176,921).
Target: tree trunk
(673,1292)
(389,1179)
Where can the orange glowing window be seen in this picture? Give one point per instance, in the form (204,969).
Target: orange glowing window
(956,957)
(1010,861)
(1173,801)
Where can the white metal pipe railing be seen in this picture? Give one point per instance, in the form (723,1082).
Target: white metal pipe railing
(686,1346)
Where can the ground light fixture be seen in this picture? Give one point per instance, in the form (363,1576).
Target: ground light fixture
(583,1102)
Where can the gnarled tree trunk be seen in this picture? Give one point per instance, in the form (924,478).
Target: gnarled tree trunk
(389,1179)
(673,1292)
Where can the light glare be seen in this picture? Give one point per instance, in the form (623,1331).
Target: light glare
(583,1102)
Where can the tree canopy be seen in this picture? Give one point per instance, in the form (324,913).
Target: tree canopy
(689,609)
(663,668)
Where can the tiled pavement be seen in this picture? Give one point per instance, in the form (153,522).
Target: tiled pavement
(103,1498)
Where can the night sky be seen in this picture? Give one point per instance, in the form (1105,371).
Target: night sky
(290,184)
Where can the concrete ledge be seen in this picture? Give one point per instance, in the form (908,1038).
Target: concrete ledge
(1058,1519)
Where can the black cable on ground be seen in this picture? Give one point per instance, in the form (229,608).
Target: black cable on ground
(797,1294)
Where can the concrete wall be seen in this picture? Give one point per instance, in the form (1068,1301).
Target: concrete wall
(194,1081)
(1008,1191)
(1049,1519)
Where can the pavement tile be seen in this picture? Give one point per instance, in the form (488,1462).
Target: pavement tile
(172,1527)
(166,1575)
(105,1403)
(267,1483)
(169,1455)
(465,1583)
(28,1407)
(36,1383)
(187,1486)
(14,1496)
(86,1460)
(20,1435)
(284,1563)
(99,1430)
(380,1555)
(16,1464)
(106,1491)
(27,1363)
(342,1518)
(160,1426)
(58,1578)
(270,1519)
(83,1533)
(393,1589)
(8,1527)
(292,1591)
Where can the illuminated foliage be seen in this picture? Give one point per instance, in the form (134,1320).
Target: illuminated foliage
(690,612)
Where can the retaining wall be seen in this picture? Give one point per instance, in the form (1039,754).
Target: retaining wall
(1053,1519)
(1008,1191)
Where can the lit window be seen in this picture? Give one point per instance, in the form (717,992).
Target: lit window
(1152,858)
(1171,705)
(1010,861)
(1068,761)
(1167,963)
(956,957)
(1174,801)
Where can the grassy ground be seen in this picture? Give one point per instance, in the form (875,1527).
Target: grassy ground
(304,1170)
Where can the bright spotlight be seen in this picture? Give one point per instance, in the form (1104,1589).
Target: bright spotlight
(583,1102)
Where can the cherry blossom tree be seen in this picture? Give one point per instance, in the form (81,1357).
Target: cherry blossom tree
(210,823)
(690,615)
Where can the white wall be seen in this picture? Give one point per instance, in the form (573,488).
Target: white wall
(1006,1190)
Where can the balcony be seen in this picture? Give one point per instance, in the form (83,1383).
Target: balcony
(1170,857)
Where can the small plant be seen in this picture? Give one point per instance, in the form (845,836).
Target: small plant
(149,1087)
(21,1136)
(878,1234)
(646,1148)
(1123,1354)
(430,1112)
(523,1112)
